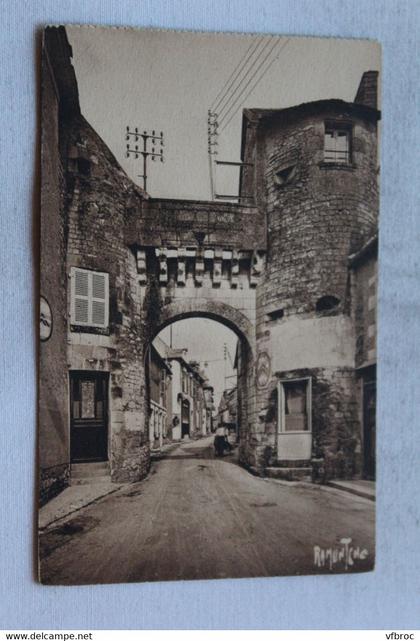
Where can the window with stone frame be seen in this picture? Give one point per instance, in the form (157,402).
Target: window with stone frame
(295,405)
(284,175)
(89,298)
(338,143)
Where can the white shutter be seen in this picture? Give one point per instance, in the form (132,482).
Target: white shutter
(89,298)
(80,297)
(99,299)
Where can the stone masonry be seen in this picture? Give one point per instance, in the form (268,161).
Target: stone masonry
(317,214)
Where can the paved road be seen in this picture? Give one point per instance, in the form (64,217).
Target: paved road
(197,517)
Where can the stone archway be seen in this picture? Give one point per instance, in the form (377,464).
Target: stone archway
(212,309)
(237,322)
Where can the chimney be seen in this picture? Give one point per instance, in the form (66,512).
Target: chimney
(367,93)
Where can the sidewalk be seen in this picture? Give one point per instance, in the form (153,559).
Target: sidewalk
(358,487)
(75,497)
(362,488)
(72,499)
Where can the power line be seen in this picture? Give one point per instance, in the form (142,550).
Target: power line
(214,105)
(241,86)
(231,83)
(223,97)
(250,80)
(227,95)
(258,80)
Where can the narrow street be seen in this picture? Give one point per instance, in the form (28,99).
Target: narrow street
(197,517)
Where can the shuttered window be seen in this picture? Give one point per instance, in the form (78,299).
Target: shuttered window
(89,298)
(337,143)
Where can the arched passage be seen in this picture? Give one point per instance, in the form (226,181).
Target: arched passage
(235,321)
(204,308)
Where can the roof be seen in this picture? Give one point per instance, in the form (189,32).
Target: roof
(161,347)
(259,116)
(310,107)
(58,51)
(162,362)
(179,355)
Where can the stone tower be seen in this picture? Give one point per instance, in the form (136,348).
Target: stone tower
(313,170)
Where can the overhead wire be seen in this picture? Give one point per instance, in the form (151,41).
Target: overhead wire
(255,84)
(216,102)
(227,96)
(257,70)
(241,86)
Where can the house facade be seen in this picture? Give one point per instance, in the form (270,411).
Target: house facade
(227,414)
(364,282)
(160,395)
(189,400)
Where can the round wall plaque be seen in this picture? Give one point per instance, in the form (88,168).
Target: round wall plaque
(263,369)
(45,319)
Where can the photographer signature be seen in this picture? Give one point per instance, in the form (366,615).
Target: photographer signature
(346,554)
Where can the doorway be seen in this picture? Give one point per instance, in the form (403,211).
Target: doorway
(185,423)
(88,416)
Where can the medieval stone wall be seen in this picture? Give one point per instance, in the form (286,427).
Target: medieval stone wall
(321,215)
(364,307)
(98,191)
(317,214)
(171,223)
(53,385)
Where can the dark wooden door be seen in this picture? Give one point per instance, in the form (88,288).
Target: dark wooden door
(89,416)
(185,415)
(369,428)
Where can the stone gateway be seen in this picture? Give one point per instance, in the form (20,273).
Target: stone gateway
(293,274)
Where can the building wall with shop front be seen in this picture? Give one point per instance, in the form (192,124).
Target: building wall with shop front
(96,213)
(160,394)
(318,213)
(364,281)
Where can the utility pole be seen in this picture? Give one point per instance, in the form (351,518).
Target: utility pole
(225,359)
(142,150)
(212,143)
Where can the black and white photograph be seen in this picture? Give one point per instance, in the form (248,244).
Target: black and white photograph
(208,316)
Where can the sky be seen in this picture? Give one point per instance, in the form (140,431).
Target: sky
(205,339)
(166,81)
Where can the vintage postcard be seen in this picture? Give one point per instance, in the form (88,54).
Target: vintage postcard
(209,226)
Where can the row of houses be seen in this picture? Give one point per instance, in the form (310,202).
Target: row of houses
(181,397)
(227,412)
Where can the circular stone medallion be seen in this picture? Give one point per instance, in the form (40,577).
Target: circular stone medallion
(263,369)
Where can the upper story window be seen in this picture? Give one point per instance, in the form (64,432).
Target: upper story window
(89,306)
(337,143)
